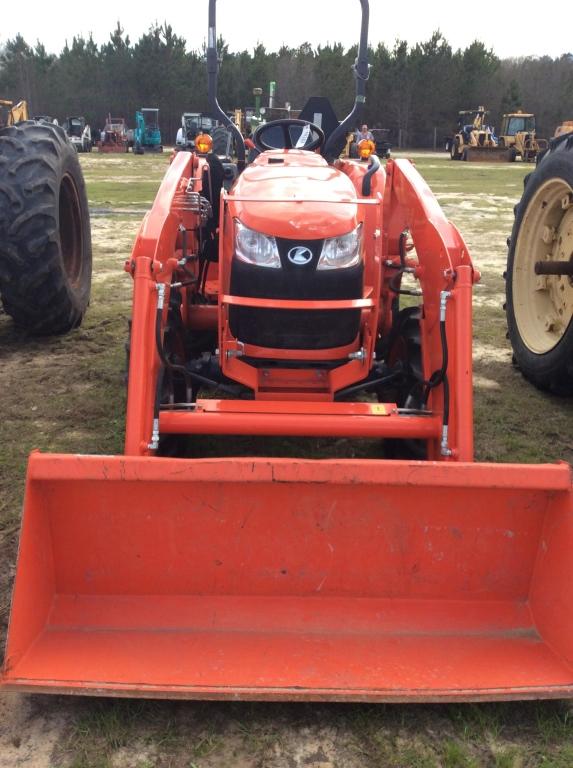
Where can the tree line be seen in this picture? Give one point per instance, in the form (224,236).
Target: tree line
(414,90)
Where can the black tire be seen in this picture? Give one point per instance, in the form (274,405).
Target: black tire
(45,239)
(548,364)
(512,155)
(220,136)
(405,346)
(455,153)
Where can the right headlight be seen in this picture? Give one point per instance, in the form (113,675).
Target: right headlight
(341,252)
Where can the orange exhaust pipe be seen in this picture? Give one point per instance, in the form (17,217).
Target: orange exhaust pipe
(293,579)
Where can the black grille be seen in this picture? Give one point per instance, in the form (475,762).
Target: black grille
(295,329)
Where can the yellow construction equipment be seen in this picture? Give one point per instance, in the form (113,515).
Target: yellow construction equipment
(475,139)
(565,127)
(517,134)
(11,113)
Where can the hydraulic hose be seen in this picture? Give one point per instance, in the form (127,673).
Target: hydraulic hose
(440,376)
(167,363)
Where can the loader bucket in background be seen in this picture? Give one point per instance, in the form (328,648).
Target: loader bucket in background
(488,154)
(293,579)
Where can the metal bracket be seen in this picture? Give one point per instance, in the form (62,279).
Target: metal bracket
(445,450)
(160,288)
(154,444)
(444,296)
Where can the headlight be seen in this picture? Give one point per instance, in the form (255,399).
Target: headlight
(341,252)
(255,248)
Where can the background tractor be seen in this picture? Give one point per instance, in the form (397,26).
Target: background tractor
(517,133)
(193,124)
(475,139)
(147,136)
(114,136)
(79,133)
(319,297)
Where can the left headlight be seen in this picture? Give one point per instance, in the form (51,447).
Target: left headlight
(341,252)
(255,248)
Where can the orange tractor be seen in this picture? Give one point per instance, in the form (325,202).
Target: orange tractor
(420,579)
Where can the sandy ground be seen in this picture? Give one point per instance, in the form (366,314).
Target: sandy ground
(29,731)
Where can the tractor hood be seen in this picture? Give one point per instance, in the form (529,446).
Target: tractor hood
(294,194)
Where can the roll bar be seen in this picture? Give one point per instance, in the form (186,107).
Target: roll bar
(212,72)
(361,72)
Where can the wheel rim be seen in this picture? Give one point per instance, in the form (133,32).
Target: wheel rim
(70,230)
(543,305)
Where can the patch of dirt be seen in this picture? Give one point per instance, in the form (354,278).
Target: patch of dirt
(29,731)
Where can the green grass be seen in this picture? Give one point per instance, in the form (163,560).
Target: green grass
(67,394)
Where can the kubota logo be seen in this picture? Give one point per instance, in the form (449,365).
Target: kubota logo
(300,255)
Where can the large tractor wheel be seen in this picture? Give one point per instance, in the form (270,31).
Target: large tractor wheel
(455,151)
(45,240)
(539,284)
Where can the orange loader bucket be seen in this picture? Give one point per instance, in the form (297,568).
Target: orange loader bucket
(293,579)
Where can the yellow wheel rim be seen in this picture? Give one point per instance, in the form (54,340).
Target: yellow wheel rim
(543,304)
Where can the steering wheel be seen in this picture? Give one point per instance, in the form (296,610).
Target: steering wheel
(283,127)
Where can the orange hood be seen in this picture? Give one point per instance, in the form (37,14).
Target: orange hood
(297,183)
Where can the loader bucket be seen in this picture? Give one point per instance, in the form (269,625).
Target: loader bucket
(293,579)
(488,154)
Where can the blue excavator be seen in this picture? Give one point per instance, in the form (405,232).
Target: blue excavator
(147,136)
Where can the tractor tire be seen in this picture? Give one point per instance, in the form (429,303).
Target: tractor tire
(45,239)
(406,347)
(455,153)
(220,138)
(540,308)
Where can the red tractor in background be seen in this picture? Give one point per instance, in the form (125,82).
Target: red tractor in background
(114,136)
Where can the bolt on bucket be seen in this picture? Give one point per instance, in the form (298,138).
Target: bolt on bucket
(293,579)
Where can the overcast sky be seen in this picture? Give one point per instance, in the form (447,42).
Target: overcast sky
(509,28)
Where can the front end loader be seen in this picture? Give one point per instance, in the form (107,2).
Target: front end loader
(317,297)
(475,141)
